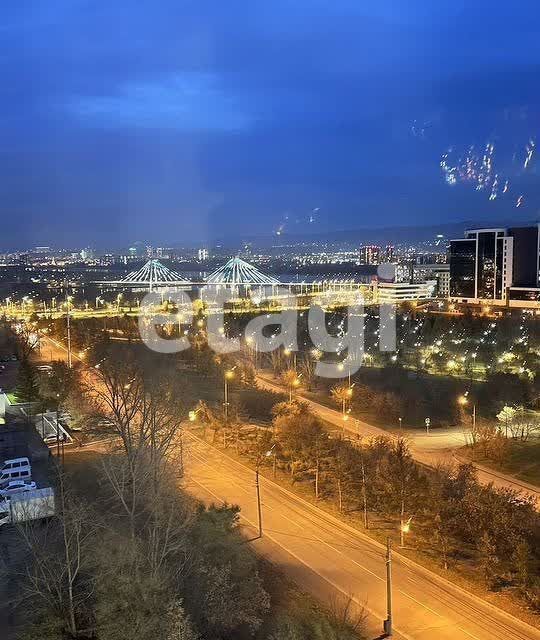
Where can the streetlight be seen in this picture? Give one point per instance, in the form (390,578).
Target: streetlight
(387,624)
(404,528)
(349,395)
(258,488)
(463,400)
(271,451)
(68,327)
(229,375)
(294,384)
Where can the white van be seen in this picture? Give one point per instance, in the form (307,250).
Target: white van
(15,469)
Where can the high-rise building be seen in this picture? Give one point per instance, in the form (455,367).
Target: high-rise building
(481,265)
(87,254)
(202,254)
(389,253)
(164,252)
(370,254)
(496,265)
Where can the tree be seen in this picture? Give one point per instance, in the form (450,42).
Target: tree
(27,387)
(343,471)
(489,560)
(521,562)
(61,383)
(291,381)
(57,580)
(341,394)
(179,625)
(225,589)
(403,480)
(506,417)
(307,367)
(146,416)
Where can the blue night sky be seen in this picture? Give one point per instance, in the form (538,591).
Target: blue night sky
(167,121)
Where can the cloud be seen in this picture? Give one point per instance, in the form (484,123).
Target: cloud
(185,101)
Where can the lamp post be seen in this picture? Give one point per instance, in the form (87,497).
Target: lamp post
(271,451)
(404,527)
(349,392)
(463,401)
(258,492)
(229,375)
(68,327)
(294,384)
(387,625)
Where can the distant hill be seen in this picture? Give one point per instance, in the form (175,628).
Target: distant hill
(401,235)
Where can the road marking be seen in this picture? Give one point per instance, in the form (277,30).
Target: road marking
(472,601)
(315,571)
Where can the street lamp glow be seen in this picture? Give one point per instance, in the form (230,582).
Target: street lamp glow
(406,526)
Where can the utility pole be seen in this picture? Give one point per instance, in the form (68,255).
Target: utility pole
(387,625)
(58,429)
(181,447)
(68,322)
(226,399)
(259,510)
(228,375)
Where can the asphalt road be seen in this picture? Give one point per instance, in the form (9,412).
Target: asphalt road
(439,447)
(332,560)
(326,556)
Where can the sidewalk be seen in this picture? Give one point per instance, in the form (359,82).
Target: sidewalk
(429,450)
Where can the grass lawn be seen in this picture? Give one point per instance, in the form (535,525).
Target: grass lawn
(522,460)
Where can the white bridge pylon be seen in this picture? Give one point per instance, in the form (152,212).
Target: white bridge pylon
(152,275)
(239,272)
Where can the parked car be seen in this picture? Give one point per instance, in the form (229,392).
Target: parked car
(14,463)
(15,469)
(16,486)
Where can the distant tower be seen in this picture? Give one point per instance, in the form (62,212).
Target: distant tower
(370,254)
(389,253)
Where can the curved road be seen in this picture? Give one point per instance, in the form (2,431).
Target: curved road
(437,448)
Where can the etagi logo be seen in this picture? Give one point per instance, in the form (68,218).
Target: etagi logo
(261,331)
